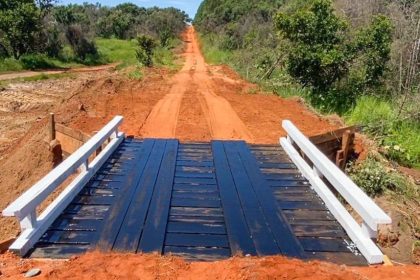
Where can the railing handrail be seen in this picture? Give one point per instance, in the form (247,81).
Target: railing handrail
(29,200)
(361,203)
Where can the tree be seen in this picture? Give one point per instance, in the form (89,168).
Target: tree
(374,42)
(19,22)
(325,57)
(144,53)
(318,56)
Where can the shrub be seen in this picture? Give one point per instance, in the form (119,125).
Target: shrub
(375,114)
(370,175)
(318,56)
(36,61)
(145,49)
(81,46)
(53,45)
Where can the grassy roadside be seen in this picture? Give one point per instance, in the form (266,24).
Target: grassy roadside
(398,138)
(110,51)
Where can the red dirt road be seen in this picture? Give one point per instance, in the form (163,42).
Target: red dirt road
(222,120)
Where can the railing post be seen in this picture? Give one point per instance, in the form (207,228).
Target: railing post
(29,221)
(368,231)
(85,166)
(52,127)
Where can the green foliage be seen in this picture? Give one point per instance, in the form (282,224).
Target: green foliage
(371,176)
(401,143)
(19,22)
(373,113)
(53,45)
(116,50)
(10,64)
(317,56)
(145,49)
(323,56)
(399,138)
(375,178)
(137,74)
(36,61)
(82,47)
(374,45)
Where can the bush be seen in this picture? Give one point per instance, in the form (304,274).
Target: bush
(36,61)
(371,176)
(53,45)
(401,143)
(81,46)
(375,114)
(399,138)
(145,49)
(10,64)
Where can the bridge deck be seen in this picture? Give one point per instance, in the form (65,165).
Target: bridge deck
(203,201)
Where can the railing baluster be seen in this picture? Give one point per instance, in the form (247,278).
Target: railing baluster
(29,221)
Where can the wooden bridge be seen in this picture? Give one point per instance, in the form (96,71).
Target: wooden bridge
(202,201)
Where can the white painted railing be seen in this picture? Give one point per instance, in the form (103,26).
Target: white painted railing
(24,208)
(371,214)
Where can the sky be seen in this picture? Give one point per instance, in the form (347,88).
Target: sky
(189,6)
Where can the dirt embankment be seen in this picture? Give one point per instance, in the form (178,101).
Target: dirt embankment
(128,266)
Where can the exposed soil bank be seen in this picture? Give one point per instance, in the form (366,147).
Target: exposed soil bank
(128,266)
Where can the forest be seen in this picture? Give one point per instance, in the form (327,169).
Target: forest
(358,59)
(42,34)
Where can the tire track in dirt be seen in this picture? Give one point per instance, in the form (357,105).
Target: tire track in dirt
(222,120)
(163,119)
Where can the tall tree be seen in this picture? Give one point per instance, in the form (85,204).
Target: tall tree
(19,22)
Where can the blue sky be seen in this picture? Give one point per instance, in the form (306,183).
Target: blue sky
(189,6)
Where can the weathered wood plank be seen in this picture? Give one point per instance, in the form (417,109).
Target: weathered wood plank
(200,228)
(157,217)
(238,233)
(117,213)
(132,226)
(276,219)
(261,235)
(199,254)
(196,240)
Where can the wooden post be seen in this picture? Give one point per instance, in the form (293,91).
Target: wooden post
(52,127)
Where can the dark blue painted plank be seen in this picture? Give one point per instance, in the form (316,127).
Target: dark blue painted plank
(132,225)
(324,244)
(239,236)
(261,235)
(67,237)
(195,181)
(199,203)
(157,217)
(197,219)
(190,211)
(112,223)
(198,254)
(69,223)
(298,205)
(57,251)
(195,195)
(196,240)
(195,188)
(200,228)
(276,219)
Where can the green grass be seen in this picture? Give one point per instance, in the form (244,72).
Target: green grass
(110,50)
(373,113)
(399,138)
(212,53)
(39,77)
(115,50)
